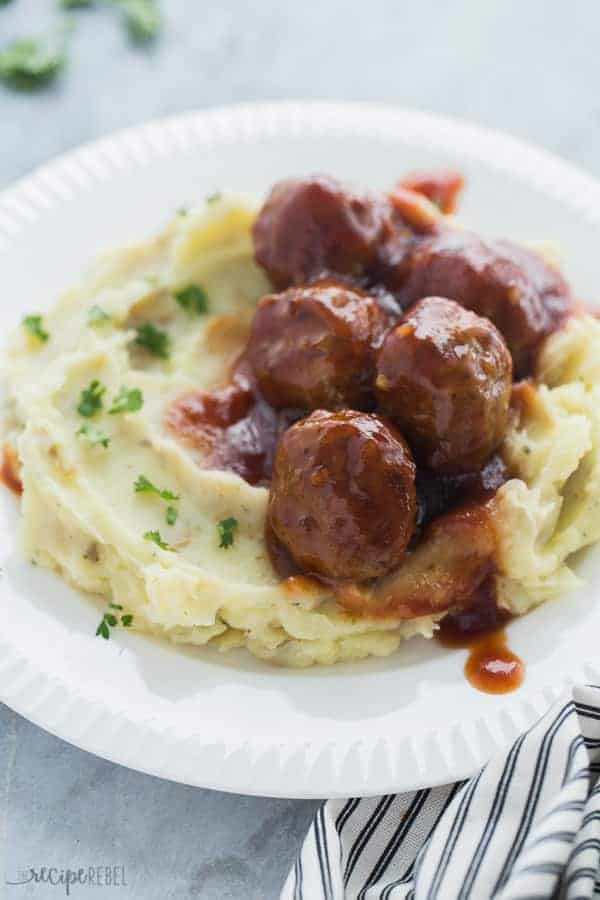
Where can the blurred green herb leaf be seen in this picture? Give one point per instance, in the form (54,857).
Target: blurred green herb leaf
(155,537)
(94,435)
(29,63)
(143,485)
(226,529)
(127,400)
(97,316)
(193,299)
(154,340)
(141,17)
(90,402)
(34,325)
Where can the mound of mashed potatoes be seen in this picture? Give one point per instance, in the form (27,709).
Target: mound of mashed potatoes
(83,518)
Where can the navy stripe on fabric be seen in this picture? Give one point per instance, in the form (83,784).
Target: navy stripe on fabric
(565,837)
(588,844)
(584,872)
(299,879)
(366,833)
(345,813)
(493,817)
(323,854)
(455,830)
(576,743)
(395,841)
(533,796)
(406,877)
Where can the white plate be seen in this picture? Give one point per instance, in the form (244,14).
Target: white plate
(231,722)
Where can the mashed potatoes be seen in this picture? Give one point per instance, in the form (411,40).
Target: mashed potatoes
(83,517)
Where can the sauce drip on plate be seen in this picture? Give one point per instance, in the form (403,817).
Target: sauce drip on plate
(491,666)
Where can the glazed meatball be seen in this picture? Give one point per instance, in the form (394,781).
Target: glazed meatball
(343,498)
(444,376)
(309,227)
(523,296)
(314,347)
(314,227)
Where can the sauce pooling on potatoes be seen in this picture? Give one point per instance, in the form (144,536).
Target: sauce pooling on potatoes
(232,427)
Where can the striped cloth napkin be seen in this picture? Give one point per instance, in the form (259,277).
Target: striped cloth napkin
(527,827)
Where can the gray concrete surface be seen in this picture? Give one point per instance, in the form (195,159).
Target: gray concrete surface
(528,66)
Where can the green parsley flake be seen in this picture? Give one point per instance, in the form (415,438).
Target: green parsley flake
(143,485)
(127,400)
(153,340)
(34,325)
(91,399)
(183,211)
(141,17)
(102,629)
(171,515)
(109,620)
(76,4)
(225,530)
(94,435)
(29,63)
(193,299)
(155,537)
(214,198)
(97,316)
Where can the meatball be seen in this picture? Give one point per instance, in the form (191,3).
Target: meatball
(313,226)
(523,296)
(444,375)
(343,498)
(314,347)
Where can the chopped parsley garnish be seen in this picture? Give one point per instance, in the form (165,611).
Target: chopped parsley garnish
(143,485)
(127,400)
(94,435)
(141,17)
(91,399)
(225,530)
(97,316)
(193,299)
(109,620)
(214,198)
(29,63)
(155,537)
(171,515)
(153,340)
(102,629)
(34,325)
(183,211)
(75,4)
